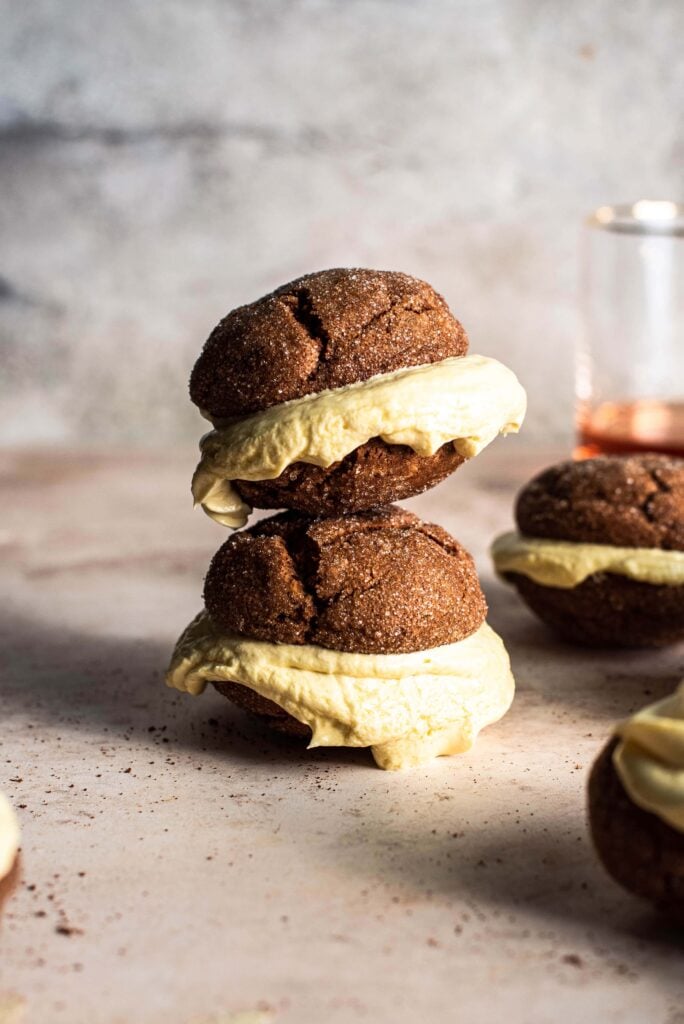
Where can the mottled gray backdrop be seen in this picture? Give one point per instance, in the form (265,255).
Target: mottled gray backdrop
(162,161)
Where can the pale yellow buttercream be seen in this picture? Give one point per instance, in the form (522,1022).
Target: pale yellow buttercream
(565,564)
(466,400)
(408,708)
(649,758)
(9,836)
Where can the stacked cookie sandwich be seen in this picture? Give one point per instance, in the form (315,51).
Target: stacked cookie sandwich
(346,619)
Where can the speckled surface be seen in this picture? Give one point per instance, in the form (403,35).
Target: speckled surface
(179,867)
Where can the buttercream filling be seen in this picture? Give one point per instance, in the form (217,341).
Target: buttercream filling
(9,836)
(465,400)
(408,708)
(649,758)
(566,564)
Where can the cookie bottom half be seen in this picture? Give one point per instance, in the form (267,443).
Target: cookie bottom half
(607,610)
(266,711)
(373,474)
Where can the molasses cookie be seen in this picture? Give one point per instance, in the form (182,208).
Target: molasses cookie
(342,391)
(599,552)
(358,630)
(373,474)
(380,582)
(320,332)
(636,805)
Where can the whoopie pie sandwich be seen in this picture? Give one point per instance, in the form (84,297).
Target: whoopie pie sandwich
(636,805)
(599,551)
(341,391)
(361,630)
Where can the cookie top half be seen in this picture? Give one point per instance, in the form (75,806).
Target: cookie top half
(321,331)
(628,501)
(379,582)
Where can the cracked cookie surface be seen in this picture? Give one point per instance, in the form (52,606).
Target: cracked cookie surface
(631,501)
(379,582)
(323,330)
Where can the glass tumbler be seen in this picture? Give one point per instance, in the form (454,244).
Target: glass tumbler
(629,370)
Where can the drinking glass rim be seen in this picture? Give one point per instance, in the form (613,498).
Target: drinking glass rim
(642,217)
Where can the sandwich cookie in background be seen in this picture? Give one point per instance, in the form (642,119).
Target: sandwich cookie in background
(342,391)
(636,805)
(361,630)
(9,837)
(599,550)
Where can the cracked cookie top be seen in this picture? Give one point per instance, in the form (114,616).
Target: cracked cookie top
(632,501)
(324,330)
(380,582)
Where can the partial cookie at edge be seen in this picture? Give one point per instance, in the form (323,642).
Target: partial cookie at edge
(641,852)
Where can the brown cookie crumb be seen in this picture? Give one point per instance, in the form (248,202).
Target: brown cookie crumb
(321,331)
(378,582)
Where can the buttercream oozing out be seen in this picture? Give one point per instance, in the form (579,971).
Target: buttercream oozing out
(409,708)
(649,758)
(566,564)
(465,400)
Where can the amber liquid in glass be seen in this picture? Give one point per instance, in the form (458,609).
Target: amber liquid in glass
(618,428)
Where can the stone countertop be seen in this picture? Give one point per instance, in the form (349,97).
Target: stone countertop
(178,866)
